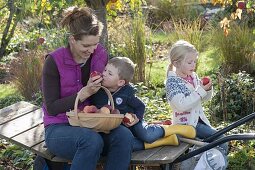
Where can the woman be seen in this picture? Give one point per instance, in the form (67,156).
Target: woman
(66,71)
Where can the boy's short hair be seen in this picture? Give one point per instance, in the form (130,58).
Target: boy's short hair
(125,66)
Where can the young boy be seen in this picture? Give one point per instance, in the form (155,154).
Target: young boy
(116,77)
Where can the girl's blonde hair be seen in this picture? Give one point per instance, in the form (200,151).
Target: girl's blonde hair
(178,52)
(81,21)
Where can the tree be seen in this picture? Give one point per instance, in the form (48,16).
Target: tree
(100,10)
(10,26)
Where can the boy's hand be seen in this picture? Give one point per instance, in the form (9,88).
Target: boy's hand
(135,121)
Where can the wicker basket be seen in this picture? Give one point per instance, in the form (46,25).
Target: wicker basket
(97,121)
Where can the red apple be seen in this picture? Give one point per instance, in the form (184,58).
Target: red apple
(40,40)
(95,73)
(241,5)
(90,109)
(108,106)
(128,118)
(167,122)
(205,80)
(104,110)
(115,111)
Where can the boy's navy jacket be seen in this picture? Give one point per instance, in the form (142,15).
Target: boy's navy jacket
(124,100)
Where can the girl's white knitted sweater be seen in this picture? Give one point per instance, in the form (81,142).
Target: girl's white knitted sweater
(186,100)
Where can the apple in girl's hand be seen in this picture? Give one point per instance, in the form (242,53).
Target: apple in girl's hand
(115,111)
(95,73)
(205,80)
(104,110)
(90,109)
(128,118)
(241,5)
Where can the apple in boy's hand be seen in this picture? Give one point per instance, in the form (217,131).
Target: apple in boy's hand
(104,110)
(205,80)
(128,118)
(115,111)
(95,73)
(167,122)
(90,109)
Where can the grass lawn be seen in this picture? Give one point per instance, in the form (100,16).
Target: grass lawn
(7,90)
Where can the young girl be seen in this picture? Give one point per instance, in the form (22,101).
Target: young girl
(185,92)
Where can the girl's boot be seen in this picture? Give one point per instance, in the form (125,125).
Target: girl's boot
(169,140)
(186,131)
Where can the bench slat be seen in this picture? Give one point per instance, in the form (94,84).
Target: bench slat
(31,137)
(13,111)
(21,124)
(168,154)
(140,157)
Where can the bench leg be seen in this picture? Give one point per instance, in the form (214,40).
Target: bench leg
(166,167)
(132,167)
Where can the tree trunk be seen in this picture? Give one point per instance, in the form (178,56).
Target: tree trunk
(8,30)
(100,10)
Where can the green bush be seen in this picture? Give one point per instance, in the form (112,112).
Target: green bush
(242,156)
(157,109)
(9,100)
(165,10)
(21,158)
(234,97)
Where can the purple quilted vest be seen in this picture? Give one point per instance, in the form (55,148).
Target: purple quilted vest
(70,77)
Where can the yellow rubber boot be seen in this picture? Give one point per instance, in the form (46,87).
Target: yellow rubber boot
(169,140)
(186,131)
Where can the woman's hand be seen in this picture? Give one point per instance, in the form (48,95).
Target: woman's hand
(91,88)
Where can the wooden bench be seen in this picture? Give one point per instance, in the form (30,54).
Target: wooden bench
(22,124)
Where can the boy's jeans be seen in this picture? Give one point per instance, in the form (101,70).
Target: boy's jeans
(84,146)
(145,133)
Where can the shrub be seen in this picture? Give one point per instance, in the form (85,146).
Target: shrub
(234,97)
(242,156)
(190,31)
(165,10)
(157,109)
(135,40)
(9,100)
(236,49)
(27,70)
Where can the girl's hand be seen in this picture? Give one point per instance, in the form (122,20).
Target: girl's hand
(208,86)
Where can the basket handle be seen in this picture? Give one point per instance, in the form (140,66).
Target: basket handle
(78,97)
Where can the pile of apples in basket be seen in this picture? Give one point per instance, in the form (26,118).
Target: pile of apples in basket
(107,109)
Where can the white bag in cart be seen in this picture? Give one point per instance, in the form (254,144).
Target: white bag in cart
(212,160)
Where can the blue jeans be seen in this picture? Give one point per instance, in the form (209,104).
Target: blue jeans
(145,133)
(84,146)
(205,131)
